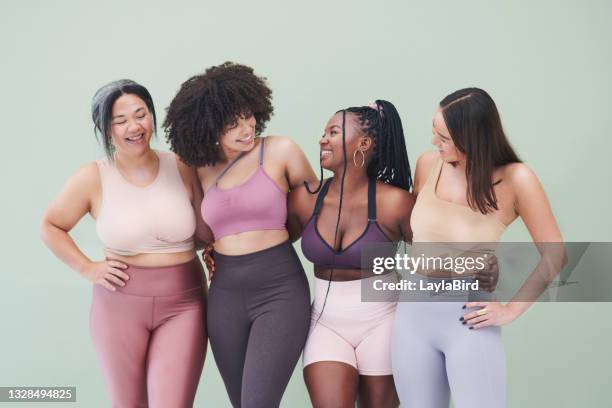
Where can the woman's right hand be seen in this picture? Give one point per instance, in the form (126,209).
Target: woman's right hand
(209,260)
(106,273)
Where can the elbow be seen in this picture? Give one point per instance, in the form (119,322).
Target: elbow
(44,231)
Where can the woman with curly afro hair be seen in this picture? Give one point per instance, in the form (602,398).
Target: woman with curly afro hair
(259,301)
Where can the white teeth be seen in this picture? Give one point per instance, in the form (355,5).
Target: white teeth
(246,139)
(135,138)
(325,153)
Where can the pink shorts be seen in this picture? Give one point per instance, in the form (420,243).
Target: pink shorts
(349,330)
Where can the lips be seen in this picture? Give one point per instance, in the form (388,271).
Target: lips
(135,139)
(325,154)
(247,139)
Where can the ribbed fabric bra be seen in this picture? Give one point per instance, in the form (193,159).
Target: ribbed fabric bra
(319,252)
(257,204)
(157,218)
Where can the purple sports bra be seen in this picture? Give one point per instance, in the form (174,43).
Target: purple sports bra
(257,204)
(319,252)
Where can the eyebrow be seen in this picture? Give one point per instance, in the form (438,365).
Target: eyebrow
(121,116)
(333,126)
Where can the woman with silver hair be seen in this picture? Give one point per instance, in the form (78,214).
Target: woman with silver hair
(147,314)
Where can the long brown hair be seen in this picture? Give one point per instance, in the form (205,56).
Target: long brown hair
(474,125)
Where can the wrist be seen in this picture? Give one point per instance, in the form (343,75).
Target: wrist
(83,266)
(516,308)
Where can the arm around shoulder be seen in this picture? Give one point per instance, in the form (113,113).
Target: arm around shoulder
(297,167)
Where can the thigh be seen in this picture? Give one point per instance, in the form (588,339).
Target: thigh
(476,366)
(374,351)
(228,330)
(419,368)
(325,344)
(119,327)
(276,340)
(331,384)
(177,350)
(377,391)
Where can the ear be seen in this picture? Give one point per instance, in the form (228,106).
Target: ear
(365,143)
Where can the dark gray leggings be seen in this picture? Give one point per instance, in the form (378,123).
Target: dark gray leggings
(258,317)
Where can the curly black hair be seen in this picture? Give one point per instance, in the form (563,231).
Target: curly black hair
(208,103)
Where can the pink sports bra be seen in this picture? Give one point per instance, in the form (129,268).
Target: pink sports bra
(257,204)
(157,218)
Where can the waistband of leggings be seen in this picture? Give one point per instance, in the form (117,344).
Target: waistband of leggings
(267,257)
(349,294)
(162,280)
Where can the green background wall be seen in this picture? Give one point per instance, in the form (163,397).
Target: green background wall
(547,64)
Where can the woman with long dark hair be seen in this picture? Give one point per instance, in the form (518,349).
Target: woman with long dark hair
(147,313)
(469,190)
(367,201)
(259,301)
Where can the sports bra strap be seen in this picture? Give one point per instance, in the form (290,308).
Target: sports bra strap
(261,150)
(372,200)
(261,156)
(321,196)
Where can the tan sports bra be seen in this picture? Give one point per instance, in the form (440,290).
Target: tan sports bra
(444,230)
(437,220)
(157,218)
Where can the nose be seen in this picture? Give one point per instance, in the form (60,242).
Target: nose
(133,125)
(435,140)
(246,125)
(323,141)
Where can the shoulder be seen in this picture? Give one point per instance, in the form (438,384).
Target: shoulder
(394,196)
(519,175)
(425,164)
(90,172)
(427,161)
(86,180)
(281,144)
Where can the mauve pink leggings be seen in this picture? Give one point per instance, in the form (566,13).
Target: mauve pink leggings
(150,336)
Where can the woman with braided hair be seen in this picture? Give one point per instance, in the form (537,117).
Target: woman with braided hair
(347,356)
(259,302)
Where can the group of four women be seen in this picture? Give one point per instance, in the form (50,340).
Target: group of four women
(152,310)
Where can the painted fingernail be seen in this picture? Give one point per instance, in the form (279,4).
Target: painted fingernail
(464,323)
(463,307)
(471,327)
(461,319)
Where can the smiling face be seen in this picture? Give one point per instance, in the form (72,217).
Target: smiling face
(131,125)
(443,141)
(331,141)
(240,134)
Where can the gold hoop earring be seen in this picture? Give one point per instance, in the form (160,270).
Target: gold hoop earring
(355,158)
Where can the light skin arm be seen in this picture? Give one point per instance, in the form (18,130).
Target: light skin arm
(300,204)
(533,207)
(203,233)
(72,203)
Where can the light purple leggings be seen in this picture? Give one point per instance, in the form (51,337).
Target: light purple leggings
(150,336)
(434,356)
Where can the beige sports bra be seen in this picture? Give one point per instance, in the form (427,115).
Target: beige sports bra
(437,220)
(444,230)
(157,218)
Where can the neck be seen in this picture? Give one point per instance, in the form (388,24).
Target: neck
(230,154)
(355,178)
(132,161)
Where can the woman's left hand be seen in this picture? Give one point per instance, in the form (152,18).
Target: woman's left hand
(488,314)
